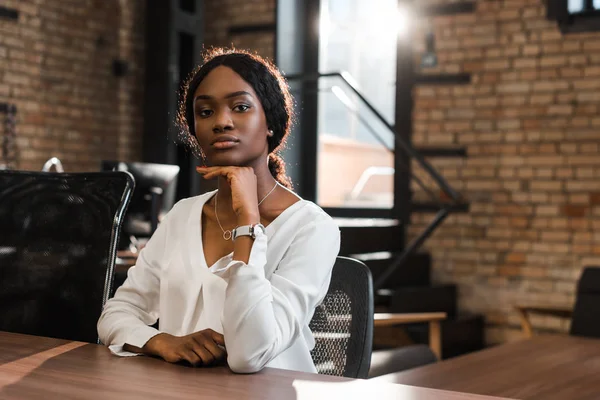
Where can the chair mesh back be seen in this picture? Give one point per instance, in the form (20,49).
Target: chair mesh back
(57,250)
(586,314)
(343,324)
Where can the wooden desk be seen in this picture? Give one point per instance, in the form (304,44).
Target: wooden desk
(545,367)
(34,367)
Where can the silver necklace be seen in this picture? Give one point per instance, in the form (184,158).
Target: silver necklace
(227,233)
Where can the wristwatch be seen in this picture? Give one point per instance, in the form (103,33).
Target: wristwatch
(247,230)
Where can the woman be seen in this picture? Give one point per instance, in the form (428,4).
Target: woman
(235,273)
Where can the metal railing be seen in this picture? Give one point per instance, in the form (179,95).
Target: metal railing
(400,143)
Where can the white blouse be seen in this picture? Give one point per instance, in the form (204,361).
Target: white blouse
(262,308)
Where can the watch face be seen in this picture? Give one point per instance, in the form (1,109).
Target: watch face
(258,228)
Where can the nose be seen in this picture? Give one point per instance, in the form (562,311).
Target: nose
(222,122)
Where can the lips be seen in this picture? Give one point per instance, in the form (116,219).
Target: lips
(225,142)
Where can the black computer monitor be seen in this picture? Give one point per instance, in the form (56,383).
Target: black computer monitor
(153,196)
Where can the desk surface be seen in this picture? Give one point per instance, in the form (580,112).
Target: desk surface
(545,367)
(34,367)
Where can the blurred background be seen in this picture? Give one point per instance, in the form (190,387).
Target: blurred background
(455,141)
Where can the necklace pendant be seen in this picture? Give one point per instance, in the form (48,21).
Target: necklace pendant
(227,235)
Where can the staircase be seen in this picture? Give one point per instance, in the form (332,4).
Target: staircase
(408,289)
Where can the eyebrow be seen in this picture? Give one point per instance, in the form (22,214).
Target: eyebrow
(228,96)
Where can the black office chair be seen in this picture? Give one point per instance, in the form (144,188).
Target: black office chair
(585,316)
(58,241)
(343,324)
(586,313)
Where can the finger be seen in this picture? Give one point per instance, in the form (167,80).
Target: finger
(206,170)
(206,356)
(214,349)
(213,169)
(218,338)
(213,175)
(214,172)
(214,335)
(209,175)
(191,356)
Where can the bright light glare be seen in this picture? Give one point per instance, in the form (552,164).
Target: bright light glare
(385,20)
(575,6)
(403,20)
(324,23)
(393,24)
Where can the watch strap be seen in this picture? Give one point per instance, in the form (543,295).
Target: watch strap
(247,230)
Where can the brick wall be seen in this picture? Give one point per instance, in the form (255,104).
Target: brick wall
(220,15)
(56,66)
(531,124)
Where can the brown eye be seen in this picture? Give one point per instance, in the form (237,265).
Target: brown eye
(204,113)
(241,108)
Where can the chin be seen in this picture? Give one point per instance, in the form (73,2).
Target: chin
(225,159)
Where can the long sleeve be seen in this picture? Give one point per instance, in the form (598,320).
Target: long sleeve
(263,317)
(127,316)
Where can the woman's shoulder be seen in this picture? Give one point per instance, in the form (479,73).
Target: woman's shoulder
(299,206)
(302,215)
(314,212)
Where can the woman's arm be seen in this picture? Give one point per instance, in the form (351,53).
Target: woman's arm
(263,317)
(127,316)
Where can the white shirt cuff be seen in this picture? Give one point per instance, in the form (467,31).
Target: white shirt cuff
(138,338)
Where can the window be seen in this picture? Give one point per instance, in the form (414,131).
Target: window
(575,15)
(581,6)
(355,150)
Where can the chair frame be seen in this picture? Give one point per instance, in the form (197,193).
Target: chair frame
(525,311)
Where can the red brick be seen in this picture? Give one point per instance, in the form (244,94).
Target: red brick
(509,270)
(515,258)
(533,272)
(595,198)
(549,73)
(571,72)
(531,50)
(553,61)
(560,110)
(521,63)
(571,210)
(521,87)
(578,60)
(550,35)
(550,86)
(574,46)
(495,65)
(591,71)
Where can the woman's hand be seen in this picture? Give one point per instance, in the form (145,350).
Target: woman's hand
(243,190)
(199,348)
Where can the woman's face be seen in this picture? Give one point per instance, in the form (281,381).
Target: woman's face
(229,120)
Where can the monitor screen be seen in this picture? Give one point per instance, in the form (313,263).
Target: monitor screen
(156,182)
